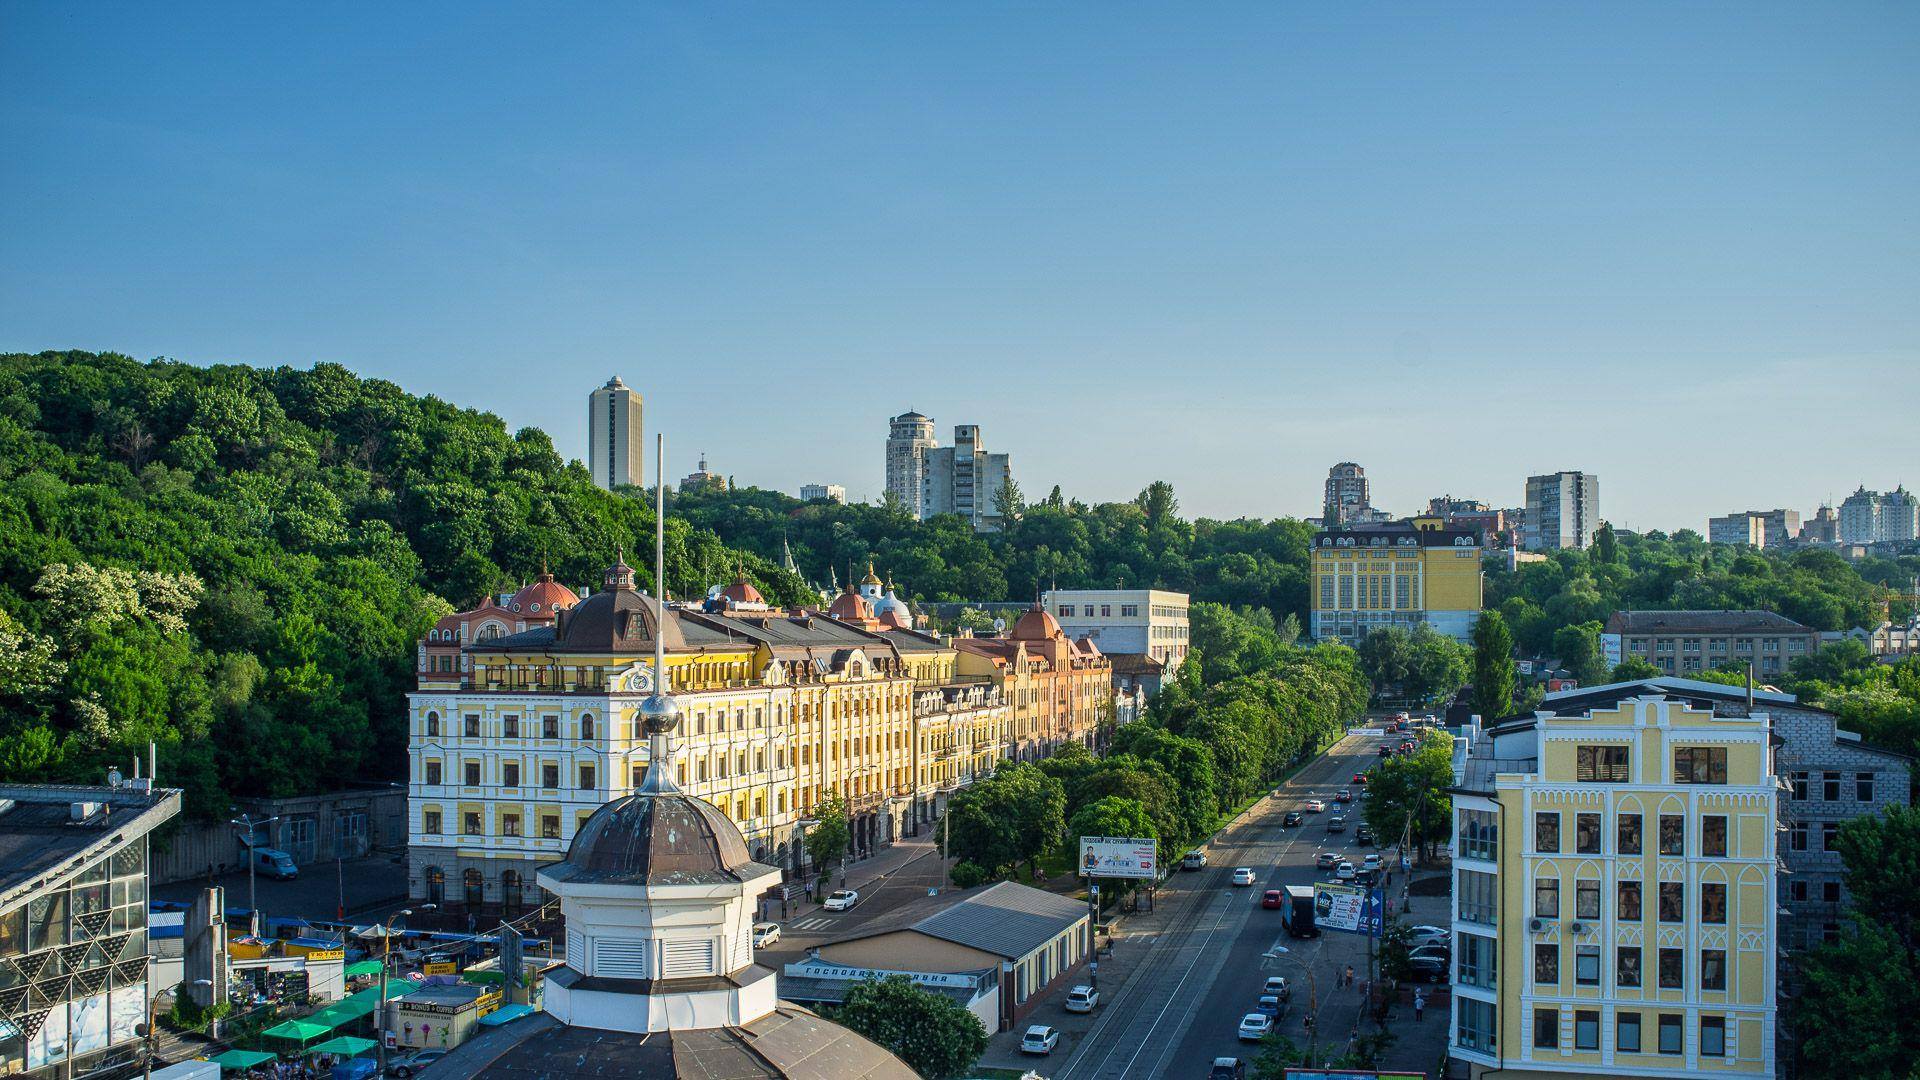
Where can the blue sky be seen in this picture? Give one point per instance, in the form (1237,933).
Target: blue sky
(1675,245)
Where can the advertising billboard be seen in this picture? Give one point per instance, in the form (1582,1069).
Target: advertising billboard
(1610,649)
(1118,856)
(1354,909)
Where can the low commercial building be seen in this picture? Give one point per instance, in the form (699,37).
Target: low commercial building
(1678,642)
(1890,640)
(1030,939)
(1373,576)
(439,1017)
(830,492)
(76,967)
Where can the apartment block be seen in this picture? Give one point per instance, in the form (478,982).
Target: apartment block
(1563,510)
(1678,642)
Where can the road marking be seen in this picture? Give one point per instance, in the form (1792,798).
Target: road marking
(812,924)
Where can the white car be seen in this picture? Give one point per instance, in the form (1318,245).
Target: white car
(1082,999)
(1243,875)
(765,934)
(1254,1026)
(1373,861)
(415,1062)
(1429,930)
(1277,986)
(1316,805)
(1039,1039)
(1345,871)
(841,900)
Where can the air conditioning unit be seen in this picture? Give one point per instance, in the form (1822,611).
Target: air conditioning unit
(1536,925)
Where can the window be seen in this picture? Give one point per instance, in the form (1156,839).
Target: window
(472,772)
(586,778)
(1601,764)
(1479,961)
(1629,902)
(1586,899)
(470,823)
(470,726)
(1829,836)
(1546,963)
(550,776)
(550,826)
(510,725)
(1586,834)
(586,727)
(1586,965)
(1800,787)
(1479,835)
(1672,968)
(1863,786)
(433,724)
(1797,836)
(1798,890)
(432,772)
(1673,901)
(1546,1028)
(1829,891)
(1669,1033)
(1700,765)
(510,825)
(1546,898)
(510,773)
(1673,834)
(1713,969)
(1626,1032)
(1626,969)
(1628,827)
(1713,1036)
(1586,1029)
(549,727)
(1546,833)
(430,821)
(1479,897)
(1477,1025)
(1830,786)
(1713,836)
(1713,902)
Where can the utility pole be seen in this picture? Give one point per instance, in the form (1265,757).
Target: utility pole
(249,823)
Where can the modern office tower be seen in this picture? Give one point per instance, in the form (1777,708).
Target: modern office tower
(614,449)
(1563,510)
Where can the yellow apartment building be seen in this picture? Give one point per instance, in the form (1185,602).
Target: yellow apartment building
(1614,893)
(1403,574)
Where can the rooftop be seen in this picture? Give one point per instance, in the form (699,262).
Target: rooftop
(1702,622)
(40,840)
(1007,919)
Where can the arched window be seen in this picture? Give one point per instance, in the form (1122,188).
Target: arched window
(433,724)
(586,726)
(474,887)
(509,891)
(436,885)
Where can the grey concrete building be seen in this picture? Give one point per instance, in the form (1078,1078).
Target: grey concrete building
(1563,510)
(1679,642)
(614,440)
(909,437)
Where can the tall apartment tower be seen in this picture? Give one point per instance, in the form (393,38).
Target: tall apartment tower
(1563,510)
(614,450)
(965,479)
(1347,498)
(909,437)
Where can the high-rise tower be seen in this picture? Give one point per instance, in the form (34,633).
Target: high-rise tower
(909,437)
(615,453)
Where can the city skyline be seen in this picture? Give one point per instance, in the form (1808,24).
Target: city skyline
(1196,233)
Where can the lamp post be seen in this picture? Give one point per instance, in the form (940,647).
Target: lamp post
(1281,952)
(386,931)
(249,823)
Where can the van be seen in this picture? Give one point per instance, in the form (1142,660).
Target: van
(1194,860)
(1298,914)
(274,863)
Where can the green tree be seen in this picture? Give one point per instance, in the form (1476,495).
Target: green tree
(831,833)
(1579,651)
(1407,794)
(1493,672)
(1110,816)
(1386,655)
(935,1035)
(1634,667)
(1157,502)
(1851,1014)
(1437,665)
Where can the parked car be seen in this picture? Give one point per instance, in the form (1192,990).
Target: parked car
(765,934)
(1327,860)
(1226,1068)
(1039,1039)
(1314,806)
(1439,954)
(1363,836)
(1269,1005)
(1082,999)
(1273,899)
(1194,860)
(1336,823)
(1293,818)
(1254,1027)
(1427,969)
(1243,875)
(1345,871)
(841,900)
(1343,795)
(1430,930)
(413,1063)
(1277,986)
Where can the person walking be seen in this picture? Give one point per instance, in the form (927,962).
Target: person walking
(1419,1004)
(1346,977)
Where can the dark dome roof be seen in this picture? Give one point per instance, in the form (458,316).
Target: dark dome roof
(657,838)
(618,620)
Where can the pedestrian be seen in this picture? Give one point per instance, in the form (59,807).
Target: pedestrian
(1419,1004)
(1346,977)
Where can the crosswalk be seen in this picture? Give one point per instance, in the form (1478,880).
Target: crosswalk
(810,924)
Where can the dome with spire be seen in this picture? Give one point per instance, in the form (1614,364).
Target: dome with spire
(891,610)
(543,596)
(850,606)
(620,619)
(1036,624)
(742,591)
(653,837)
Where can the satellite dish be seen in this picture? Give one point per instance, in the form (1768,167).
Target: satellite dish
(999,625)
(115,778)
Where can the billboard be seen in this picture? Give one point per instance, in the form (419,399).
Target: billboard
(1354,909)
(1118,856)
(1610,648)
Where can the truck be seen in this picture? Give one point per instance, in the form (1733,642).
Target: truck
(1296,914)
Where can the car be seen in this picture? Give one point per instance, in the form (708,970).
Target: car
(1439,954)
(1427,969)
(1360,778)
(1226,1068)
(1039,1039)
(413,1063)
(765,934)
(1326,860)
(1386,750)
(1269,1005)
(1430,930)
(1363,836)
(1314,806)
(1254,1027)
(1336,824)
(1277,986)
(1293,818)
(1082,999)
(1343,795)
(1345,871)
(1243,875)
(841,900)
(1194,860)
(1364,876)
(1373,861)
(1273,899)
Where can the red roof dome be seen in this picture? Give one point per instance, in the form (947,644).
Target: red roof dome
(850,606)
(1036,625)
(543,597)
(742,592)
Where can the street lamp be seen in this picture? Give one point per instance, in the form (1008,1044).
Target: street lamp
(250,823)
(385,931)
(1281,952)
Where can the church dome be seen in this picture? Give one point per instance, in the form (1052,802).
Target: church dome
(1036,624)
(653,838)
(850,606)
(542,597)
(742,591)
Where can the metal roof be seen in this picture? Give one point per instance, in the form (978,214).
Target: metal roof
(1007,919)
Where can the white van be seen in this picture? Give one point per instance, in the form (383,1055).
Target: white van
(274,863)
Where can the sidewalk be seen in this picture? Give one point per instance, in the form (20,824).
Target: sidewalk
(864,875)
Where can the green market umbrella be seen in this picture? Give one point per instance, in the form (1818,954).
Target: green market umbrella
(241,1059)
(344,1045)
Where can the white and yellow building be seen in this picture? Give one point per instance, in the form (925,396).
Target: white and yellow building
(1365,577)
(523,725)
(1614,895)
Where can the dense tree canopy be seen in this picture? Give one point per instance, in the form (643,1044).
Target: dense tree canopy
(935,1035)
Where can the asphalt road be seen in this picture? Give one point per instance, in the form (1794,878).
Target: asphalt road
(920,870)
(1182,1008)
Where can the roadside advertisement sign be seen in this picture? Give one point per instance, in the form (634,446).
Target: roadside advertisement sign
(1118,856)
(1353,909)
(1610,648)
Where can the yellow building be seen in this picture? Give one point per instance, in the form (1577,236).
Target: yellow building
(1614,893)
(523,725)
(1370,576)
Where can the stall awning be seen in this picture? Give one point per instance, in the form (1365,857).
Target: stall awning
(241,1059)
(345,1045)
(298,1030)
(363,967)
(505,1014)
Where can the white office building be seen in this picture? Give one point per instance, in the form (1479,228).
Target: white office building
(614,449)
(812,492)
